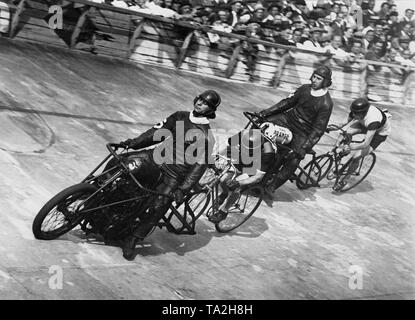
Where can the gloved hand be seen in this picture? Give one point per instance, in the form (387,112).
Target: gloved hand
(178,196)
(126,144)
(262,114)
(232,184)
(300,153)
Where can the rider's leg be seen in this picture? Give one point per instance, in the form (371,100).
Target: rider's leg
(159,208)
(288,168)
(284,174)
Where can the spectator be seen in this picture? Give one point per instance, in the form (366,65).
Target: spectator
(404,58)
(406,31)
(335,48)
(297,33)
(313,44)
(408,18)
(347,39)
(369,37)
(236,11)
(357,50)
(394,27)
(383,13)
(335,9)
(338,26)
(378,32)
(258,15)
(376,52)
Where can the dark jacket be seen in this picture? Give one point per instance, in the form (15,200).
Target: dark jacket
(305,114)
(185,148)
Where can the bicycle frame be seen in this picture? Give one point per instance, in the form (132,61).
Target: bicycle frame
(335,165)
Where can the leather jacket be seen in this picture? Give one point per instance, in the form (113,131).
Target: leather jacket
(306,114)
(185,149)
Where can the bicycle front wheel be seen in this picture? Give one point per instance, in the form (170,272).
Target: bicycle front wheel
(346,181)
(242,209)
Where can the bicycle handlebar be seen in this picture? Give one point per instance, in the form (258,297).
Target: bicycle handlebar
(251,115)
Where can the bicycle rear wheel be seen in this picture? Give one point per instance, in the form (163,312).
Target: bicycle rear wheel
(314,171)
(243,208)
(346,182)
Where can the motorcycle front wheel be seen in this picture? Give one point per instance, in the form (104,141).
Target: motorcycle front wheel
(62,213)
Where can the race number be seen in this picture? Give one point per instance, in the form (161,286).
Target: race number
(160,124)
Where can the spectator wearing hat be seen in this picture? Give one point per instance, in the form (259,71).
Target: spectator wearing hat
(285,38)
(394,27)
(236,11)
(338,25)
(259,14)
(335,9)
(313,44)
(273,10)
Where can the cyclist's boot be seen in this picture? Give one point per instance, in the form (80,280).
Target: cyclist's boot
(128,249)
(218,216)
(341,184)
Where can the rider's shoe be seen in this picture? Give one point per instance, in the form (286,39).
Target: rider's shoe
(128,249)
(218,217)
(340,185)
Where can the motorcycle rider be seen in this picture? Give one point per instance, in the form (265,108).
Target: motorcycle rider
(187,131)
(306,113)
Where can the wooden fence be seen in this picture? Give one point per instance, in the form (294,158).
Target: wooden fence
(144,38)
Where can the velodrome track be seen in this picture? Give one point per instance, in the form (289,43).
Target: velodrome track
(57,111)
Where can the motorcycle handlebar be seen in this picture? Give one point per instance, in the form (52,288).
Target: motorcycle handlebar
(112,148)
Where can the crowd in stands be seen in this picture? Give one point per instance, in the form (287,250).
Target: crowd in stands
(346,29)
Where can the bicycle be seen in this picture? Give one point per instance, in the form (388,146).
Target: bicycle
(334,165)
(250,197)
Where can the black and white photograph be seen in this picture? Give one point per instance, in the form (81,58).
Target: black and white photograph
(207,154)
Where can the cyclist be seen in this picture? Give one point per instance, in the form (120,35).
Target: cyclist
(179,174)
(306,113)
(369,120)
(253,143)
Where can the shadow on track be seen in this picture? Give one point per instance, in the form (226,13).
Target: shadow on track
(161,241)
